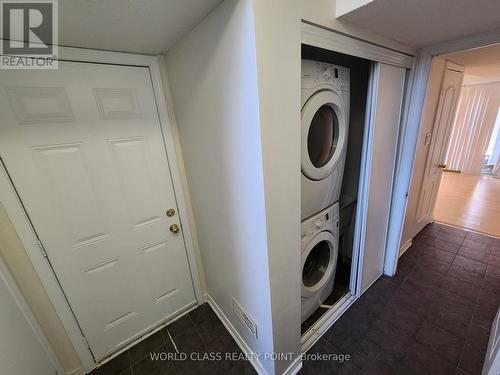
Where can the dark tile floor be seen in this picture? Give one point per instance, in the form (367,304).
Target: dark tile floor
(199,332)
(432,317)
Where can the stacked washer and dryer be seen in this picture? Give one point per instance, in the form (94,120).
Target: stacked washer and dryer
(325,125)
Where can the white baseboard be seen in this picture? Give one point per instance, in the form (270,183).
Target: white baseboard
(76,371)
(405,247)
(294,367)
(253,359)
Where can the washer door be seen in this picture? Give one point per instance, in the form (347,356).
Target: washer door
(319,259)
(323,134)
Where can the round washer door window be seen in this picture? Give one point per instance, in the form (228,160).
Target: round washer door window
(319,260)
(323,134)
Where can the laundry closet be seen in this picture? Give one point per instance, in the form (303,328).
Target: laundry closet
(334,89)
(357,98)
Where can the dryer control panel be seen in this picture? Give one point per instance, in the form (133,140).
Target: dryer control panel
(315,73)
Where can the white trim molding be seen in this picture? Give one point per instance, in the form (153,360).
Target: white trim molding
(172,158)
(320,37)
(27,235)
(28,314)
(77,371)
(294,367)
(405,247)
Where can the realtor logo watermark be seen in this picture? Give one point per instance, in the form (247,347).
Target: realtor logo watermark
(29,34)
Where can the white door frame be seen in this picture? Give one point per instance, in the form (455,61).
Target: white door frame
(414,103)
(28,315)
(17,215)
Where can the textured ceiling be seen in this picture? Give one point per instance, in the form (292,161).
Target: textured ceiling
(481,65)
(140,26)
(426,22)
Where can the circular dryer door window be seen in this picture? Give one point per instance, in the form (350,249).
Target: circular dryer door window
(319,260)
(323,134)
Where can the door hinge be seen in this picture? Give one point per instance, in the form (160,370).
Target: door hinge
(42,249)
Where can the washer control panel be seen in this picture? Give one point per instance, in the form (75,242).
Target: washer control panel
(315,73)
(325,220)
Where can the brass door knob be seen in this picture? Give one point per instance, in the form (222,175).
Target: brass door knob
(170,212)
(174,228)
(442,166)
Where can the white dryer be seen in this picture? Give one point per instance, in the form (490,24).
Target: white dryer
(325,128)
(320,241)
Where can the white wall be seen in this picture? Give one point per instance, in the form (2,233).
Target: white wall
(278,65)
(322,12)
(213,78)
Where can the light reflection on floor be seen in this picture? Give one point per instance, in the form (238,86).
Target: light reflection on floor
(469,201)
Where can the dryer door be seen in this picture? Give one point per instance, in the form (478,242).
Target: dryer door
(323,134)
(319,261)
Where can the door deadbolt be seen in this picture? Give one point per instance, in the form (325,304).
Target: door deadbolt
(170,212)
(174,228)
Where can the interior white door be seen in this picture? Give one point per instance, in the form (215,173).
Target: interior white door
(21,352)
(84,149)
(385,112)
(443,121)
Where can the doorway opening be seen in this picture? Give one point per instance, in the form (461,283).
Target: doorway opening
(456,176)
(449,258)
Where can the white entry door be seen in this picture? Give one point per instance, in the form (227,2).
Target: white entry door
(443,121)
(84,149)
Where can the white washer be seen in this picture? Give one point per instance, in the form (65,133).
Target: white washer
(325,128)
(320,241)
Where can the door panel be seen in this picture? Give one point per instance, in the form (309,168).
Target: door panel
(84,149)
(71,191)
(386,96)
(445,113)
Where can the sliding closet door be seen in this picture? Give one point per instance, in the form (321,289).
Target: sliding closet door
(385,98)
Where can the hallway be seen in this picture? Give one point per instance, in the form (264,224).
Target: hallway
(432,317)
(469,201)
